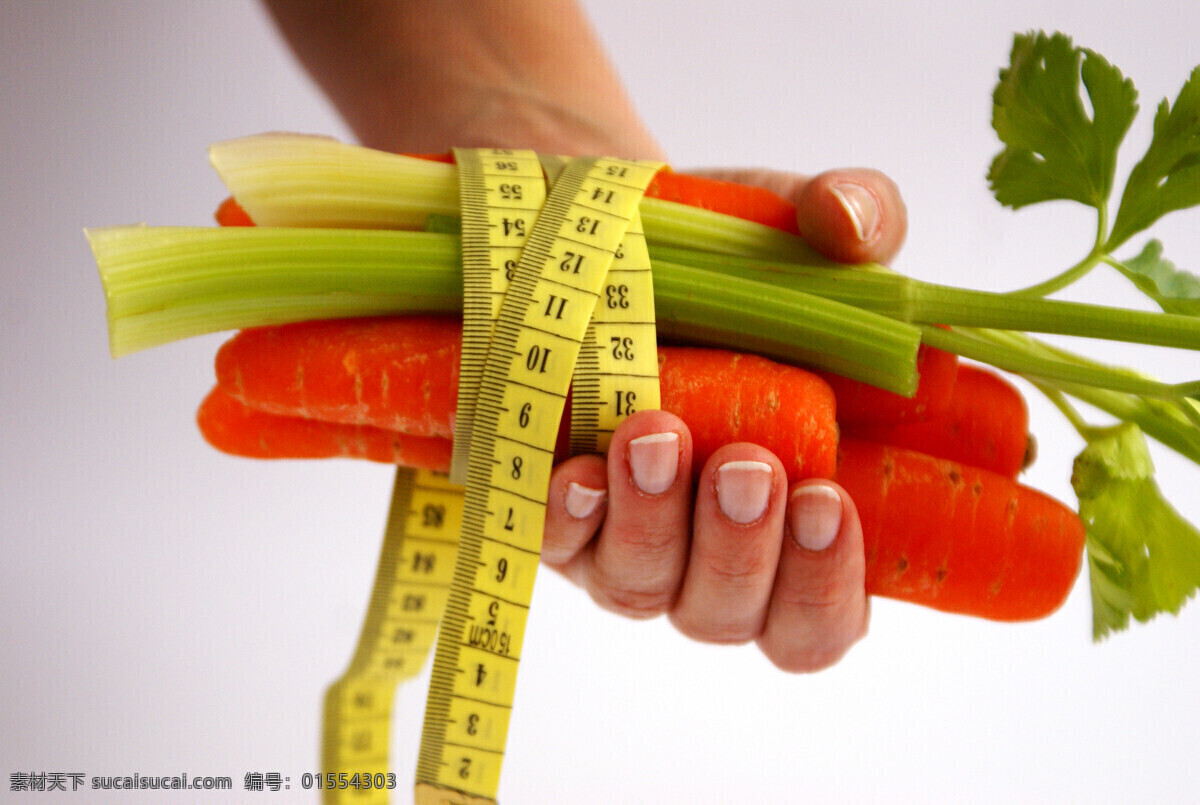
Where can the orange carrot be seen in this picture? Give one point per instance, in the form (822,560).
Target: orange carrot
(401,373)
(234,428)
(230,213)
(958,538)
(730,198)
(860,402)
(986,425)
(729,397)
(751,203)
(397,373)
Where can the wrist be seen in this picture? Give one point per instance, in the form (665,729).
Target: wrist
(525,117)
(419,76)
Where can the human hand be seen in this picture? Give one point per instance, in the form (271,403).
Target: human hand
(734,554)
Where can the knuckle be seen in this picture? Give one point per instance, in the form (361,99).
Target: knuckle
(640,569)
(807,660)
(561,544)
(642,548)
(719,631)
(635,604)
(822,592)
(819,642)
(740,568)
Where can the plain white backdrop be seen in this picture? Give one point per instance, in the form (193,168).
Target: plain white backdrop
(165,608)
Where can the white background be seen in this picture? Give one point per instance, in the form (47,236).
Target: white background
(166,608)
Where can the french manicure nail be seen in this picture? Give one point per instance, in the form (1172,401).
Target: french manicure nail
(860,207)
(744,489)
(654,459)
(581,501)
(815,516)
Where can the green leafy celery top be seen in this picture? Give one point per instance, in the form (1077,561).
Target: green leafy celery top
(1052,149)
(1143,557)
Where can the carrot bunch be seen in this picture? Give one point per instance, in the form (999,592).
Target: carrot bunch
(945,522)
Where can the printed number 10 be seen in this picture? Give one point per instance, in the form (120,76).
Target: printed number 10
(535,359)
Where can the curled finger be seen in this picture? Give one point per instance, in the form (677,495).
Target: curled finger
(818,606)
(575,508)
(736,533)
(635,565)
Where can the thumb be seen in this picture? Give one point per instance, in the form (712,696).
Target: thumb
(852,215)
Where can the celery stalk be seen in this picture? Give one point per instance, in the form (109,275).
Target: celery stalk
(1169,421)
(303,180)
(167,283)
(1028,362)
(311,181)
(708,308)
(886,292)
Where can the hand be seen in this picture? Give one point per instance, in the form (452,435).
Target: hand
(744,557)
(734,555)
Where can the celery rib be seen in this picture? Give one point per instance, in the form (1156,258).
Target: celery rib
(891,294)
(167,283)
(731,312)
(1032,364)
(298,180)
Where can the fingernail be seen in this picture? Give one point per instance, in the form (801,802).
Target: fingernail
(860,207)
(744,489)
(581,501)
(815,516)
(654,459)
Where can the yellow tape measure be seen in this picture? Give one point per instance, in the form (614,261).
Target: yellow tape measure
(502,191)
(528,371)
(617,370)
(409,595)
(522,374)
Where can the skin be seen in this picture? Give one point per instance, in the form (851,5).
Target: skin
(420,76)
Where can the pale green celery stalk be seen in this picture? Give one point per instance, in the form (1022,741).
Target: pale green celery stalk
(1184,412)
(1012,358)
(1154,417)
(308,181)
(1166,421)
(671,224)
(883,291)
(168,283)
(703,307)
(305,180)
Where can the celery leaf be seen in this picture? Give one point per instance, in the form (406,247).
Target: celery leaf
(1175,290)
(1053,150)
(1168,176)
(1143,557)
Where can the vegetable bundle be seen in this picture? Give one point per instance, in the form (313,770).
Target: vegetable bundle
(339,238)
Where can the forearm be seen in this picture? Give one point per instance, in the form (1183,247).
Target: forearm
(422,75)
